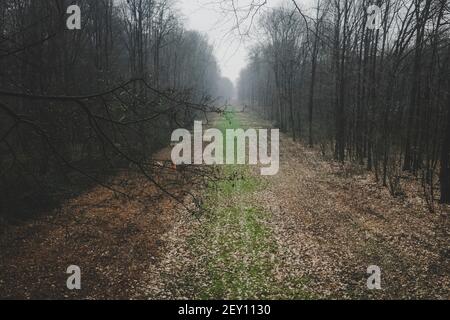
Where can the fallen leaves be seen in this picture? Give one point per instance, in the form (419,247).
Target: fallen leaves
(311,231)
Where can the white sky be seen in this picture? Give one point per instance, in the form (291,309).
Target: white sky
(208,17)
(205,16)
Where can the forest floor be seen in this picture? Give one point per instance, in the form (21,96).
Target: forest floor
(309,232)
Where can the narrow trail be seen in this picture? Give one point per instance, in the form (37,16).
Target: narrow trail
(309,232)
(231,252)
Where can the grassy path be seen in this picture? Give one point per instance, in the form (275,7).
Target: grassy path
(231,251)
(240,253)
(309,232)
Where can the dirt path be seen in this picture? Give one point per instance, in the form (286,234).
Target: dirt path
(309,232)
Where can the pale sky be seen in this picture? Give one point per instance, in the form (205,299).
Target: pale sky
(206,16)
(214,18)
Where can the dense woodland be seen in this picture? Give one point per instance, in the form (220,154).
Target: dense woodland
(87,102)
(377,97)
(92,206)
(84,103)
